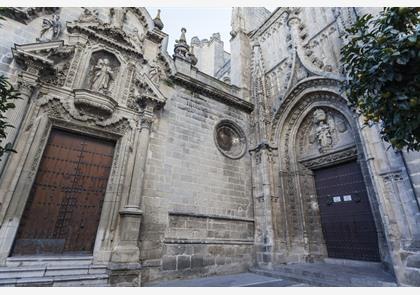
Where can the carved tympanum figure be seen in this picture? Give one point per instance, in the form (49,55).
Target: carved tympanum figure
(102,76)
(51,29)
(322,129)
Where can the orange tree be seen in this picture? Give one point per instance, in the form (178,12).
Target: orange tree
(382,62)
(7,95)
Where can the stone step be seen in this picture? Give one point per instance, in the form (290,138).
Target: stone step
(48,260)
(65,280)
(357,263)
(323,274)
(36,271)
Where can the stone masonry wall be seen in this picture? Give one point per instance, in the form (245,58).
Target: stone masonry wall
(197,202)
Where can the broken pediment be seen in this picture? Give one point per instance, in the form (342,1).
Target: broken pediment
(48,59)
(144,91)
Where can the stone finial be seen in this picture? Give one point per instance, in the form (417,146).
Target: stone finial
(182,39)
(182,49)
(157,21)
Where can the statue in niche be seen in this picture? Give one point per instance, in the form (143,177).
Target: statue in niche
(323,129)
(51,29)
(102,76)
(118,15)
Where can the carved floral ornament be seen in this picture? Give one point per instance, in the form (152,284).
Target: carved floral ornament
(230,139)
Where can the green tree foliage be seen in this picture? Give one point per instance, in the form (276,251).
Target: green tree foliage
(382,62)
(7,95)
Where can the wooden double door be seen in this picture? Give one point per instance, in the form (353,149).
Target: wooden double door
(64,207)
(347,221)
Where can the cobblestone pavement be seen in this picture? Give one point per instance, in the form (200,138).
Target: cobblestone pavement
(246,279)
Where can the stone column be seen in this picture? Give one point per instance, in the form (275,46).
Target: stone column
(240,62)
(127,250)
(262,204)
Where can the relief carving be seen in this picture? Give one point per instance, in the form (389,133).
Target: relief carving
(323,130)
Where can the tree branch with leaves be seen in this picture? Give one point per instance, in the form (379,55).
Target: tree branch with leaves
(382,64)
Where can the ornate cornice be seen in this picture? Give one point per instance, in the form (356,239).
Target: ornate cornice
(74,27)
(26,14)
(331,158)
(212,92)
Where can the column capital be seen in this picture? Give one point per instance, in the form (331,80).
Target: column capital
(26,83)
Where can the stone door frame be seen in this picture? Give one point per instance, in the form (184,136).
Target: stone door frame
(22,168)
(288,120)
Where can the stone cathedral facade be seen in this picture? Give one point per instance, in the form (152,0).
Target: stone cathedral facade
(137,162)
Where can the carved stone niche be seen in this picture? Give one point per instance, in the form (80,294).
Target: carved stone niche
(95,97)
(230,139)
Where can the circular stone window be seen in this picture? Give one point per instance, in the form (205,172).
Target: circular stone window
(230,139)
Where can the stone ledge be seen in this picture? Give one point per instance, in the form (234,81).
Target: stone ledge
(212,216)
(208,241)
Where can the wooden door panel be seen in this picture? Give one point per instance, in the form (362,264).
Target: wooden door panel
(347,222)
(63,209)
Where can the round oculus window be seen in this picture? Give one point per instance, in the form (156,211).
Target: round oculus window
(230,139)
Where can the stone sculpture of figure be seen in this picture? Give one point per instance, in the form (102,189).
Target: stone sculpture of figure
(51,29)
(155,73)
(136,39)
(89,16)
(118,15)
(322,130)
(102,76)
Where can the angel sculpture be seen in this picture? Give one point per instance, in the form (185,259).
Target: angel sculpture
(102,77)
(51,29)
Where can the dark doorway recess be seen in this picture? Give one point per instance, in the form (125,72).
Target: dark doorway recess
(64,207)
(347,222)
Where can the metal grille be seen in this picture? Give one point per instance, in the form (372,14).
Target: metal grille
(347,221)
(63,209)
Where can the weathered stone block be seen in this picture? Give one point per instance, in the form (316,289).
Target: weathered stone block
(183,262)
(197,261)
(169,263)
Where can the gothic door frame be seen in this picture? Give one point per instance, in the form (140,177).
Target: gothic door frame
(295,179)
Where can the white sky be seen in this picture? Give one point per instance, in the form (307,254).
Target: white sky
(199,21)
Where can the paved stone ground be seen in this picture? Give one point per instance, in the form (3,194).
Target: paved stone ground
(246,279)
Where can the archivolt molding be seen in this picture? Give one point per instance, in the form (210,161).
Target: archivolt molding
(308,86)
